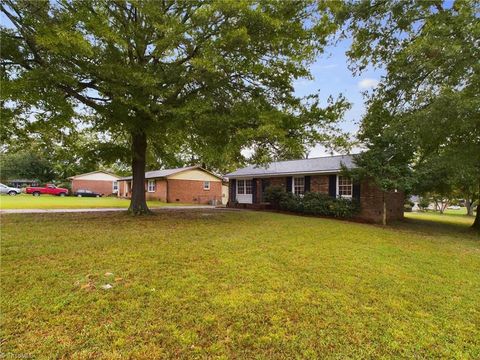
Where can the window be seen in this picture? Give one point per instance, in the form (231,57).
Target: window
(240,187)
(344,186)
(298,185)
(115,187)
(206,185)
(248,187)
(244,187)
(151,186)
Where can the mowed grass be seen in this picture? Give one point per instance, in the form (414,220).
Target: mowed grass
(236,284)
(25,201)
(449,221)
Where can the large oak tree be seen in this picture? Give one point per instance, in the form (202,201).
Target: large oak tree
(426,109)
(205,78)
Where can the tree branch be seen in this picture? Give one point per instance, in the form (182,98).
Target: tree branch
(83,99)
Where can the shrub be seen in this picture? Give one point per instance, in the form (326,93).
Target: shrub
(311,203)
(424,203)
(275,195)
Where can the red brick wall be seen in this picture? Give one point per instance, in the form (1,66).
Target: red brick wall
(160,193)
(371,203)
(279,182)
(371,197)
(99,186)
(191,191)
(319,183)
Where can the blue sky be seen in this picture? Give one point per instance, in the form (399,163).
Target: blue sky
(332,77)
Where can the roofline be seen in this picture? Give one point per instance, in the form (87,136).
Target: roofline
(94,172)
(329,171)
(316,157)
(209,172)
(294,172)
(187,168)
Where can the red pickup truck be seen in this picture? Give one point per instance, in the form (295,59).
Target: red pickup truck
(47,189)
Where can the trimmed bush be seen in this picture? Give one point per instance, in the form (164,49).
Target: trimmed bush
(311,203)
(424,203)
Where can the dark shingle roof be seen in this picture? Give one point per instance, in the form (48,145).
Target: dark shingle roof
(327,164)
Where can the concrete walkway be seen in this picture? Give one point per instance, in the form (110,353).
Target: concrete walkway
(47,211)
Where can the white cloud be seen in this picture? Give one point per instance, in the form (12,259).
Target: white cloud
(367,83)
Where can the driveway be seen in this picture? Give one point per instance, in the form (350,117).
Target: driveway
(44,211)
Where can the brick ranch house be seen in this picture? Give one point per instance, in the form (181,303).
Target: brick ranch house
(189,185)
(322,175)
(102,182)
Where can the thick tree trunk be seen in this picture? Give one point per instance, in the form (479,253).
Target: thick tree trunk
(138,203)
(476,223)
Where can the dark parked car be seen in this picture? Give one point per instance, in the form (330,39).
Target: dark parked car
(86,193)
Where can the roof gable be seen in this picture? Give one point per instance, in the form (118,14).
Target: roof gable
(165,173)
(96,175)
(326,164)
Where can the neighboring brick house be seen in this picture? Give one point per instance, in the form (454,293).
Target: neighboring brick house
(322,175)
(102,182)
(190,185)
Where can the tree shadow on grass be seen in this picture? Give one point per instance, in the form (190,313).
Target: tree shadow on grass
(440,225)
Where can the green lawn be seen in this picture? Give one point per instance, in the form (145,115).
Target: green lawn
(436,219)
(237,284)
(24,201)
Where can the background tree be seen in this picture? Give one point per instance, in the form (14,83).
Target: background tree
(26,164)
(429,95)
(209,77)
(63,153)
(447,177)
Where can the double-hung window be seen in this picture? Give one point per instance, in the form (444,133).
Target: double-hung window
(115,187)
(345,186)
(206,185)
(244,187)
(298,185)
(151,186)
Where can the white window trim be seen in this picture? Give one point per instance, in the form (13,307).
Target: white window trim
(293,184)
(238,186)
(148,186)
(338,189)
(206,187)
(115,188)
(244,186)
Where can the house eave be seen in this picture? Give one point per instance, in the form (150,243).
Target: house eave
(289,173)
(93,172)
